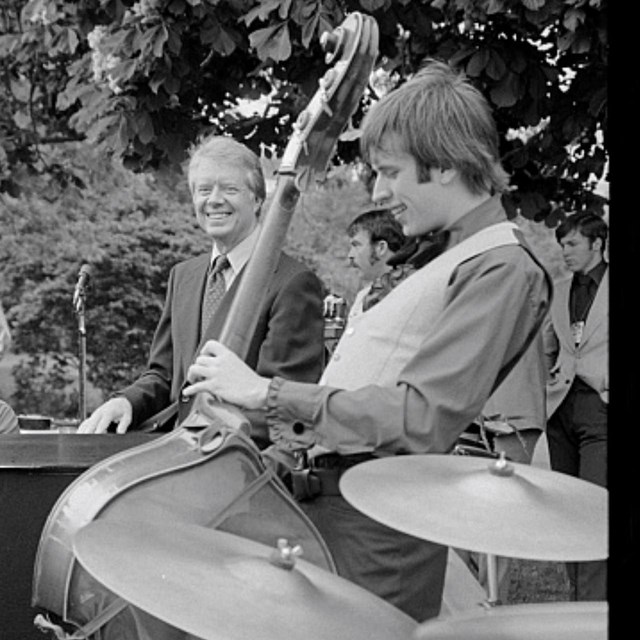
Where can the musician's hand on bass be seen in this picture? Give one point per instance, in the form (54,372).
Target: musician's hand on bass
(118,410)
(220,372)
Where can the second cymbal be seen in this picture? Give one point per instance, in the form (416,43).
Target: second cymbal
(217,585)
(507,509)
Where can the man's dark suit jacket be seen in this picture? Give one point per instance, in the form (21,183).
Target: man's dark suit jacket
(288,340)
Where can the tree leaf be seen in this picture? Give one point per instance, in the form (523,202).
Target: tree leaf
(124,132)
(158,78)
(272,42)
(159,36)
(372,5)
(477,63)
(101,127)
(495,6)
(72,40)
(21,89)
(174,42)
(573,18)
(262,11)
(505,93)
(496,67)
(598,101)
(309,28)
(214,33)
(144,127)
(124,70)
(120,43)
(532,204)
(22,119)
(8,41)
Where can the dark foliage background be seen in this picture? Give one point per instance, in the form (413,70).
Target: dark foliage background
(143,78)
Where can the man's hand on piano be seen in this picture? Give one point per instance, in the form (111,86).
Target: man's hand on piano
(116,410)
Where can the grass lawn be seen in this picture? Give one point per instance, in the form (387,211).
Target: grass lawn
(533,581)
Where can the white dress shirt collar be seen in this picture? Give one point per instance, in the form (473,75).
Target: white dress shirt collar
(238,256)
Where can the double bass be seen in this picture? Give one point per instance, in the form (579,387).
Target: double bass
(207,471)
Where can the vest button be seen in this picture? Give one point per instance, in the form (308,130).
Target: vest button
(336,356)
(350,331)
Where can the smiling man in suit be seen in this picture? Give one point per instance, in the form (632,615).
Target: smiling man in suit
(228,191)
(577,337)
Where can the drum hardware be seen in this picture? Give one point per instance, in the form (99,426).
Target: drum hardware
(284,555)
(479,438)
(335,320)
(214,584)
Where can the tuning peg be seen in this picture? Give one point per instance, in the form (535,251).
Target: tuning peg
(331,42)
(327,80)
(301,122)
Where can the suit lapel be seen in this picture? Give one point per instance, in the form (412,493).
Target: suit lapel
(188,296)
(599,308)
(563,324)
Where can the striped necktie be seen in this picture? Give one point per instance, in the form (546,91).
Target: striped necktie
(214,290)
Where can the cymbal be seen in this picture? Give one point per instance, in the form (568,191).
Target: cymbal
(489,506)
(537,621)
(213,584)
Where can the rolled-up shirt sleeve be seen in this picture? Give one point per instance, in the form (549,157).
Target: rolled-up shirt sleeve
(494,305)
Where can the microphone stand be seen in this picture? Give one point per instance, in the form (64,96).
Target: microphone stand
(79,306)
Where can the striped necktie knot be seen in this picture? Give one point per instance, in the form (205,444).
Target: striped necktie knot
(218,265)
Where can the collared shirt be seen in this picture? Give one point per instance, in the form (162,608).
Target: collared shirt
(238,256)
(584,287)
(495,303)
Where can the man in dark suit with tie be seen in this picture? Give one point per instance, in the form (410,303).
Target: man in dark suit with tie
(228,190)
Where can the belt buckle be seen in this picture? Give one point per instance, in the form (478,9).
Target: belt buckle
(305,485)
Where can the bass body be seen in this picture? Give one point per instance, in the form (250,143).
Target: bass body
(213,477)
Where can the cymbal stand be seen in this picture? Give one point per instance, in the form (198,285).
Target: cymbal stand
(492,581)
(500,468)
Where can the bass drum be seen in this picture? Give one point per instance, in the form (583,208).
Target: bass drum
(212,477)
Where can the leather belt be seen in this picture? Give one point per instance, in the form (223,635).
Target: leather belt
(337,461)
(322,476)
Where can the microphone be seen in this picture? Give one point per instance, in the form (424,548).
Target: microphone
(83,278)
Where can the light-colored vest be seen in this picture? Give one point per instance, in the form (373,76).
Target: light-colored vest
(378,343)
